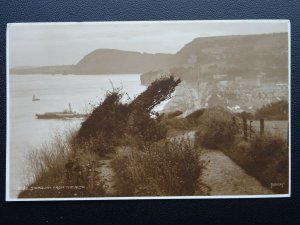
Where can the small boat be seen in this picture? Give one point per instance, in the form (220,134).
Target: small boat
(35,99)
(66,114)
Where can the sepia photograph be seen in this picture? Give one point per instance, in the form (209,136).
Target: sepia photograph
(148,110)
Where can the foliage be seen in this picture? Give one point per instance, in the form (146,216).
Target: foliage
(246,115)
(265,157)
(175,126)
(113,120)
(216,129)
(109,118)
(174,114)
(159,91)
(166,168)
(70,161)
(273,111)
(60,169)
(146,130)
(194,116)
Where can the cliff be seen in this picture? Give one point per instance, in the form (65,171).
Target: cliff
(111,61)
(239,55)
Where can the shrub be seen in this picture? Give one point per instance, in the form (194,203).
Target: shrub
(98,144)
(113,120)
(174,114)
(145,130)
(263,148)
(167,168)
(246,115)
(109,119)
(273,111)
(268,158)
(216,129)
(49,159)
(194,116)
(71,161)
(265,157)
(175,126)
(60,169)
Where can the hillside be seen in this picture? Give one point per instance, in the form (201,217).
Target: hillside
(111,61)
(239,55)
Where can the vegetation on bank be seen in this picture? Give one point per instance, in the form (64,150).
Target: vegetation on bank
(216,129)
(167,168)
(114,121)
(263,156)
(154,162)
(154,166)
(274,111)
(62,169)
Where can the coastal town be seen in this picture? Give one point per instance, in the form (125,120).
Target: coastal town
(237,93)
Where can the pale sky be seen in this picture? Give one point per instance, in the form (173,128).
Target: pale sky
(39,44)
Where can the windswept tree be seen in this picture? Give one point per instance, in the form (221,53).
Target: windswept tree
(159,91)
(112,120)
(108,119)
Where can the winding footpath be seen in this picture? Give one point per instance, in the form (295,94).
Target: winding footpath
(221,175)
(224,177)
(107,174)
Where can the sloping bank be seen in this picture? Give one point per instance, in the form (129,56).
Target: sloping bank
(222,176)
(71,167)
(264,156)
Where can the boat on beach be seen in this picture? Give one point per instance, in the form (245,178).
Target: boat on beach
(66,114)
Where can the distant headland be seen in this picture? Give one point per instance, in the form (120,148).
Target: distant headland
(237,55)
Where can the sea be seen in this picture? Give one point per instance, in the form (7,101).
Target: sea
(26,133)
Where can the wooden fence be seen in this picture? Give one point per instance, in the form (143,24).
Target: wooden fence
(261,127)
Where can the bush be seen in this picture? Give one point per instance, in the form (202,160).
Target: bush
(265,157)
(273,111)
(246,115)
(216,129)
(167,168)
(175,126)
(113,120)
(174,114)
(60,169)
(98,144)
(71,162)
(145,130)
(194,116)
(268,159)
(109,119)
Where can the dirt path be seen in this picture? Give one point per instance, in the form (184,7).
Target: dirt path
(107,174)
(225,177)
(222,175)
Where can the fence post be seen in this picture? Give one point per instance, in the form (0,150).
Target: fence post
(245,128)
(250,129)
(262,126)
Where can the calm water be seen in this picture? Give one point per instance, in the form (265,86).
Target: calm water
(55,93)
